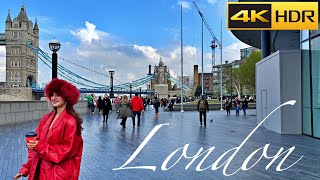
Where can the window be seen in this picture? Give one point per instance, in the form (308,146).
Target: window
(304,35)
(315,55)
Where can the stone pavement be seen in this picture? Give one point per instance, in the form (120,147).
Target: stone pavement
(110,146)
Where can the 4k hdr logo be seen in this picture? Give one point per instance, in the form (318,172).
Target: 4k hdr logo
(272,16)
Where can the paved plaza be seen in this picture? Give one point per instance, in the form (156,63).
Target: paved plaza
(110,146)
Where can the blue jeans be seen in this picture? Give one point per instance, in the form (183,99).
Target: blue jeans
(138,113)
(91,107)
(237,110)
(244,108)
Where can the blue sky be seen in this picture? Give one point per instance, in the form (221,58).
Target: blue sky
(124,35)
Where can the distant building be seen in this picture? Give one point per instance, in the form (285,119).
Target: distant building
(195,76)
(210,81)
(207,82)
(187,80)
(245,52)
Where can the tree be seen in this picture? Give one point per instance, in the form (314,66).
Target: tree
(248,71)
(234,74)
(244,77)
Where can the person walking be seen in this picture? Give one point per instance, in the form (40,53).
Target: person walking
(227,105)
(203,108)
(57,151)
(236,104)
(144,103)
(100,104)
(116,102)
(170,106)
(90,103)
(137,107)
(148,103)
(124,110)
(156,105)
(244,106)
(106,108)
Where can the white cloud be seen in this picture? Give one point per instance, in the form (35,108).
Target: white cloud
(148,51)
(130,61)
(89,33)
(173,74)
(232,52)
(131,77)
(185,4)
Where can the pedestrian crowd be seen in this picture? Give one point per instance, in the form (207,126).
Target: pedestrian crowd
(134,107)
(125,107)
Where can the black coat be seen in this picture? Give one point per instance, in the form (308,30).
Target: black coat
(106,105)
(100,103)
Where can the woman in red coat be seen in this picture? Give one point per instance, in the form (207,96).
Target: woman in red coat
(56,154)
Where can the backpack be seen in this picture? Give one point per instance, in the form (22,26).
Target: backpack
(202,105)
(227,104)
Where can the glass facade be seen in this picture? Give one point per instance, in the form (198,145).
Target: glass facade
(310,45)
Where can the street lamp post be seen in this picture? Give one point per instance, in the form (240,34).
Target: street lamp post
(231,80)
(230,66)
(54,46)
(213,47)
(111,83)
(140,91)
(130,88)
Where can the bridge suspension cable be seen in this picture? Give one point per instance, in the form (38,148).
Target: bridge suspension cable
(64,72)
(86,68)
(177,82)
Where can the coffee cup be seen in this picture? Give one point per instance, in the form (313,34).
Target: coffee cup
(31,136)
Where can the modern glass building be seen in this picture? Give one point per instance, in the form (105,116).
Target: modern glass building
(245,52)
(310,46)
(309,42)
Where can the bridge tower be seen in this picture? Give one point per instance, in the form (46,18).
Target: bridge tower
(21,62)
(160,83)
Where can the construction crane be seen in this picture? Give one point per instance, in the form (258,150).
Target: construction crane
(215,40)
(213,46)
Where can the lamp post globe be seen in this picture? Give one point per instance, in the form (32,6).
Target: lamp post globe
(111,73)
(54,46)
(111,83)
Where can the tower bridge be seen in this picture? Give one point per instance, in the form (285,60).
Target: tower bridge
(21,40)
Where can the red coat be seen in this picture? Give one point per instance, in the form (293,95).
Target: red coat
(136,104)
(58,152)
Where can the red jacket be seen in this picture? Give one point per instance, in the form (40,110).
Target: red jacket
(137,104)
(58,152)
